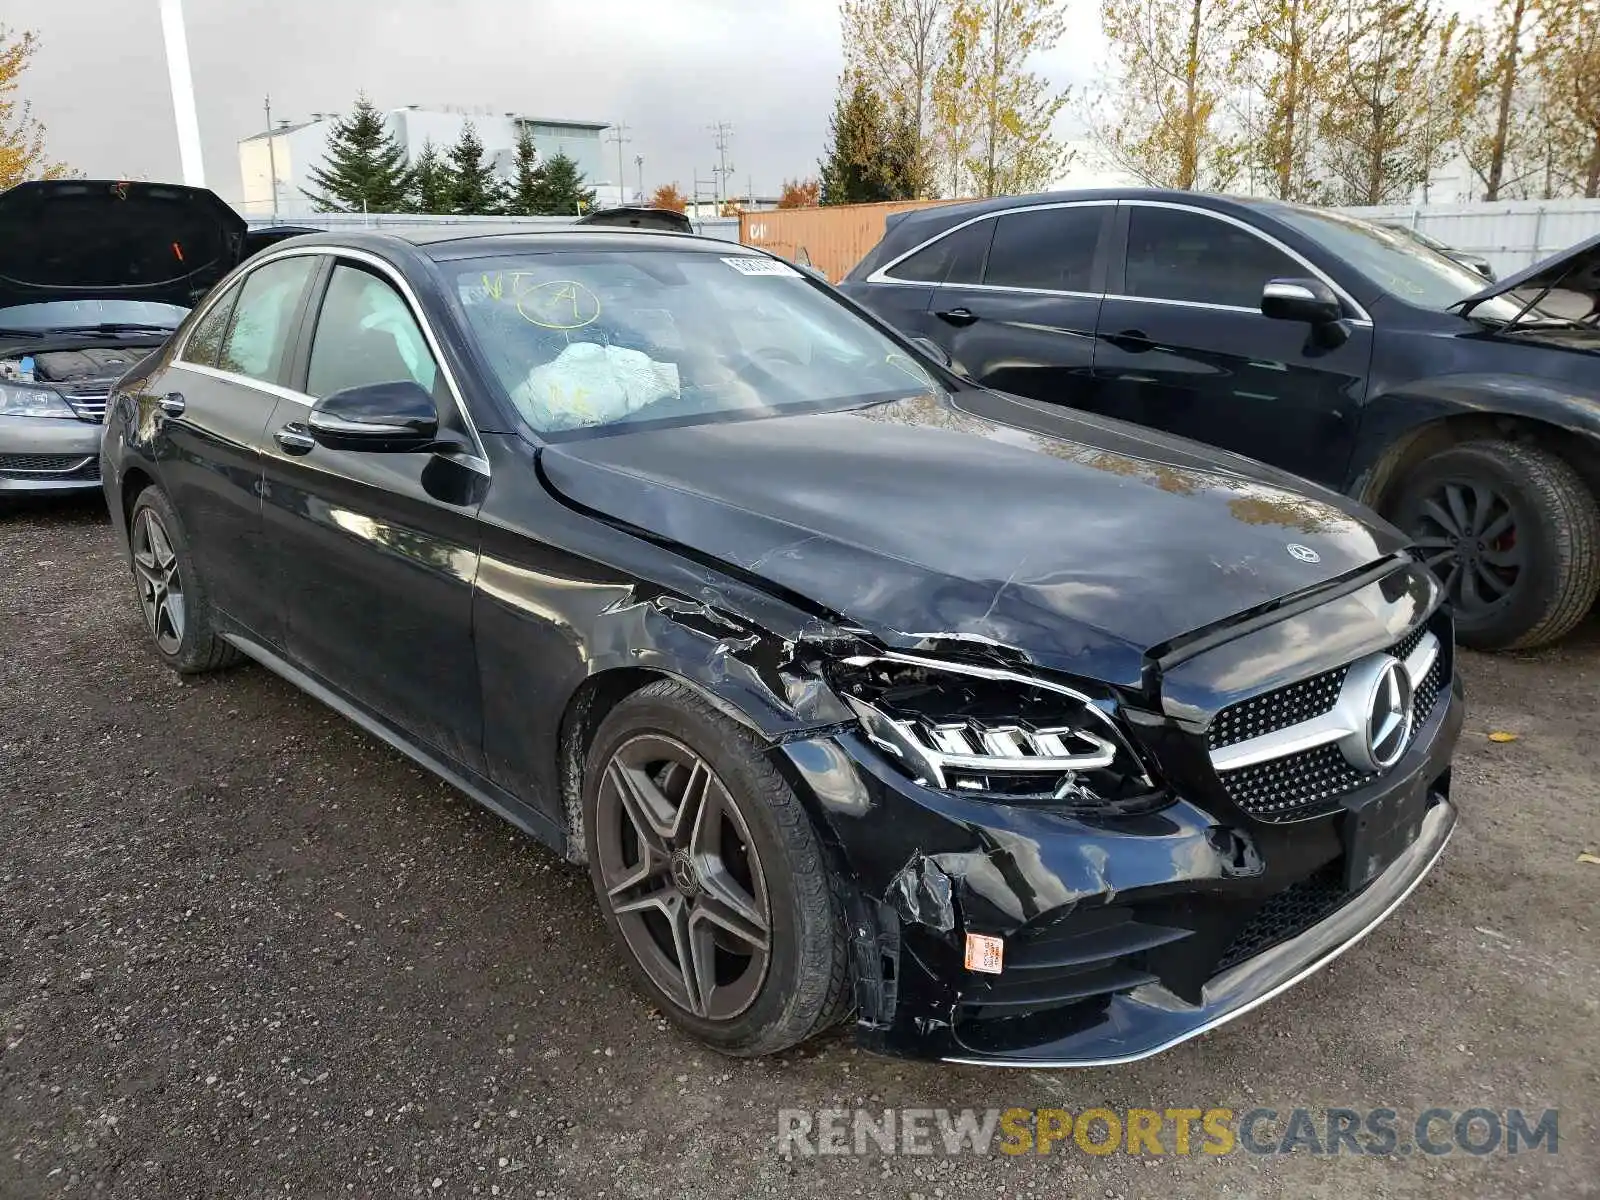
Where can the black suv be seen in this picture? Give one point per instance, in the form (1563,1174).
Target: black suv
(1337,349)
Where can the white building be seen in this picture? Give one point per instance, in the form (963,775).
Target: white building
(275,167)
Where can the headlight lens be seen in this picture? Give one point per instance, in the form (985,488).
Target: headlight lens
(980,730)
(20,400)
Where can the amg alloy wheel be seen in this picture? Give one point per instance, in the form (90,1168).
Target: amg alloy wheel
(160,582)
(682,876)
(172,595)
(711,876)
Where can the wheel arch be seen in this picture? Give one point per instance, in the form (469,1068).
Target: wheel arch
(1386,461)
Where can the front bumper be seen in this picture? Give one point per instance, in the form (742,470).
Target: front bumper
(49,454)
(1124,936)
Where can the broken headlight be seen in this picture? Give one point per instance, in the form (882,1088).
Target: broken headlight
(985,730)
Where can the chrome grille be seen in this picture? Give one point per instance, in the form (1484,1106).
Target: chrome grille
(88,399)
(1308,782)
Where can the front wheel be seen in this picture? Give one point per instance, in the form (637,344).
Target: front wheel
(1513,534)
(710,875)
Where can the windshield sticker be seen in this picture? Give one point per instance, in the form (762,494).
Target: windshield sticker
(761,266)
(560,304)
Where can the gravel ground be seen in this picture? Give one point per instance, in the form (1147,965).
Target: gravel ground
(246,950)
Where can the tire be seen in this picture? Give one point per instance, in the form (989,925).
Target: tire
(640,780)
(1542,545)
(183,634)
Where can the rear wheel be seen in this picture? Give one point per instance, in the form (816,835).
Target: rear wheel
(1513,534)
(172,596)
(710,875)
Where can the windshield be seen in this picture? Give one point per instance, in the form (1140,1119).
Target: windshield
(591,339)
(67,314)
(1398,263)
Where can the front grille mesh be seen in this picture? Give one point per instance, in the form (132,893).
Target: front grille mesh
(1286,706)
(53,466)
(1310,783)
(1291,912)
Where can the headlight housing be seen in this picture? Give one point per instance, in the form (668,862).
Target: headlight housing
(986,731)
(25,400)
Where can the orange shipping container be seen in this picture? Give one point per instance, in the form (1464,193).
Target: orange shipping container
(833,239)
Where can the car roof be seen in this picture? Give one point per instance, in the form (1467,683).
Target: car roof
(442,242)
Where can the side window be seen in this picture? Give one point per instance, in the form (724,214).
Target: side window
(366,334)
(204,346)
(955,258)
(258,337)
(1174,254)
(1047,248)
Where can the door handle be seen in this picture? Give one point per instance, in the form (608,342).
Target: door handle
(172,403)
(295,438)
(1133,341)
(957,316)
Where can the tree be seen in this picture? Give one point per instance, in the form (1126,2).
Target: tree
(800,193)
(560,190)
(22,154)
(1446,86)
(474,189)
(669,197)
(1374,103)
(522,197)
(364,168)
(899,44)
(861,164)
(1569,65)
(1499,126)
(1175,65)
(998,115)
(1288,47)
(431,186)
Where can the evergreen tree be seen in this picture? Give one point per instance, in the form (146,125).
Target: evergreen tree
(430,182)
(474,190)
(560,191)
(365,168)
(867,158)
(522,198)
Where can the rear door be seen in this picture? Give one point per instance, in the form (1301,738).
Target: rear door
(375,554)
(1183,345)
(214,403)
(1017,308)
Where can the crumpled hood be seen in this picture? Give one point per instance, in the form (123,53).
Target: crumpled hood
(1078,541)
(97,239)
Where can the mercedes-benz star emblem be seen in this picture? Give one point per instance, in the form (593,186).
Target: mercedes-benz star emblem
(1304,553)
(1389,715)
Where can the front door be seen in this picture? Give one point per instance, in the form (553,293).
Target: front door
(376,552)
(1182,345)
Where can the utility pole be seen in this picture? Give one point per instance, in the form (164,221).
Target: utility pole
(182,83)
(272,156)
(638,161)
(723,131)
(619,135)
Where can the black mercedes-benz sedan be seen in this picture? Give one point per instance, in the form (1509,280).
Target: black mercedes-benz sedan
(1021,736)
(1467,413)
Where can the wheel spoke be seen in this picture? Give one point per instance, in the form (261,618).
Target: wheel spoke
(1441,518)
(1482,504)
(692,805)
(172,610)
(160,546)
(1433,541)
(1511,556)
(696,959)
(651,864)
(1452,581)
(1498,586)
(730,908)
(1442,556)
(664,899)
(1458,508)
(1470,597)
(1498,526)
(650,812)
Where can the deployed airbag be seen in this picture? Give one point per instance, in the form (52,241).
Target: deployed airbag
(591,384)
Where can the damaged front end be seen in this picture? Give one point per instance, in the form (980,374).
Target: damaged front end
(1046,872)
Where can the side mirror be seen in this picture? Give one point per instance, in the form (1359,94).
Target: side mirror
(934,351)
(387,418)
(1308,300)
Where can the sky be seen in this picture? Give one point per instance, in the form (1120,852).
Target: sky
(670,69)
